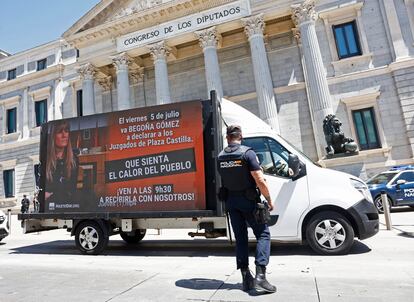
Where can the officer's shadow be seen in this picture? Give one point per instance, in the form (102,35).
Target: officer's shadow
(206,284)
(210,284)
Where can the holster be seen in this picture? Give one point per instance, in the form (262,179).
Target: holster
(252,194)
(261,213)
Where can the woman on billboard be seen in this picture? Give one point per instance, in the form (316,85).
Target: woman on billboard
(61,165)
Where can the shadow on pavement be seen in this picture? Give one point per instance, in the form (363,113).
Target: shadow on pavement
(211,284)
(402,210)
(359,248)
(407,234)
(186,248)
(206,284)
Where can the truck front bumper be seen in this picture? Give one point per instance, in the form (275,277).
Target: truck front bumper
(365,215)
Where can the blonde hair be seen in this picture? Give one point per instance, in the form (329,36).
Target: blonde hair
(68,156)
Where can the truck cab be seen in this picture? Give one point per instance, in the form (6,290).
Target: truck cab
(324,207)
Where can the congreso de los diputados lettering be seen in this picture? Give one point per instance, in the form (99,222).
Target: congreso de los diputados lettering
(297,64)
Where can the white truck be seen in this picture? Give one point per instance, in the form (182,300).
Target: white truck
(128,193)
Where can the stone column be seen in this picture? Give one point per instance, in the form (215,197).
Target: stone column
(106,86)
(121,63)
(400,49)
(409,4)
(304,17)
(208,39)
(159,53)
(266,99)
(25,106)
(87,73)
(57,100)
(3,121)
(136,77)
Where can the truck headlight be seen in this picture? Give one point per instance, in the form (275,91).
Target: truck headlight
(362,188)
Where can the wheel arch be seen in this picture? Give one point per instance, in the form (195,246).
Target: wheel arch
(104,224)
(331,208)
(389,197)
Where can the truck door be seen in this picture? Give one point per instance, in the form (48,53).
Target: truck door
(290,197)
(405,191)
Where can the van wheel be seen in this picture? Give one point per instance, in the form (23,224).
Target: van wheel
(378,204)
(330,233)
(133,237)
(91,238)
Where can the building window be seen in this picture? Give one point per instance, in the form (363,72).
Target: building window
(87,134)
(41,112)
(12,120)
(8,180)
(346,39)
(366,128)
(11,74)
(79,102)
(41,64)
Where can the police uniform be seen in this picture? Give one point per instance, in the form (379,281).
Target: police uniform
(235,164)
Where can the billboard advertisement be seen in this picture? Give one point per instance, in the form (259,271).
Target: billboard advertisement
(145,159)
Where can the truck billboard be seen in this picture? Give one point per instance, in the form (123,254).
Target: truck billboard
(144,159)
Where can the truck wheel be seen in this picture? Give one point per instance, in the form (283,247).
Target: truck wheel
(91,238)
(330,233)
(134,237)
(379,205)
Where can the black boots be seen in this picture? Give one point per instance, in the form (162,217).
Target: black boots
(248,280)
(261,285)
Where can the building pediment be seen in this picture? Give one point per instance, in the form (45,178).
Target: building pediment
(112,18)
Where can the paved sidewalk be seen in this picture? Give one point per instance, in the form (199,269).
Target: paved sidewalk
(174,267)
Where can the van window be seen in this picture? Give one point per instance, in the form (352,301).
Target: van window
(272,156)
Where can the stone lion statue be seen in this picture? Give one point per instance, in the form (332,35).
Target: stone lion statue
(335,138)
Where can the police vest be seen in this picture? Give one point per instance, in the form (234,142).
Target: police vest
(234,170)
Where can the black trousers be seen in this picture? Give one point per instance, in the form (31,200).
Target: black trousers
(241,212)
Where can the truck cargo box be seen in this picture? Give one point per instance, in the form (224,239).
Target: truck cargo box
(135,163)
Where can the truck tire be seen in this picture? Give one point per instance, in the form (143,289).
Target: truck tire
(91,238)
(135,237)
(330,233)
(378,204)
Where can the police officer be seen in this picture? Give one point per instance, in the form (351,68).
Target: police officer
(241,174)
(25,204)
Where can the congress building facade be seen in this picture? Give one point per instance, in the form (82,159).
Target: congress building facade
(289,62)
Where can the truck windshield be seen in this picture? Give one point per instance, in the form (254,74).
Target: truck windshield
(381,179)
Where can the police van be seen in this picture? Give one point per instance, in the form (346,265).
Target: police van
(398,184)
(325,208)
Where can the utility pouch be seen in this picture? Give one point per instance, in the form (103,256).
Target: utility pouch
(262,214)
(223,194)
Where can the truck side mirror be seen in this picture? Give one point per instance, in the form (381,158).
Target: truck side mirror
(294,164)
(401,182)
